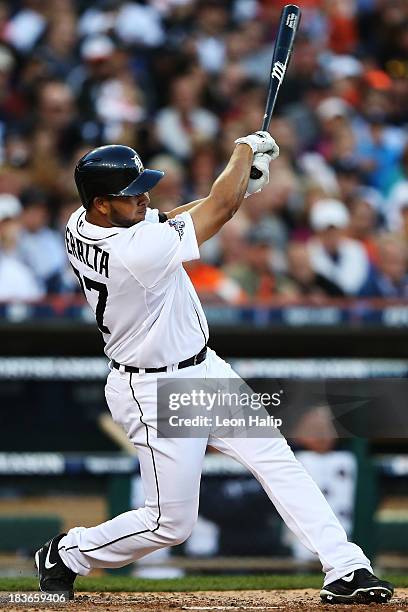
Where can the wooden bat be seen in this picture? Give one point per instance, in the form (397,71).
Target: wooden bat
(288,26)
(116,433)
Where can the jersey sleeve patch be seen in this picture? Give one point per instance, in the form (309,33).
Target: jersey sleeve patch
(178,225)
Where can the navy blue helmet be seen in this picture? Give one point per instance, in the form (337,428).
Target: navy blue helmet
(113,170)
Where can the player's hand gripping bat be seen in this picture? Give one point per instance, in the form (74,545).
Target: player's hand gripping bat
(288,26)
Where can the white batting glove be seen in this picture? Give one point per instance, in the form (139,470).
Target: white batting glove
(261,142)
(261,162)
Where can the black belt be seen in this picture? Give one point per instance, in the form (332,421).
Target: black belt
(195,360)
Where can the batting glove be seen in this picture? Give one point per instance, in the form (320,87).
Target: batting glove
(261,162)
(261,142)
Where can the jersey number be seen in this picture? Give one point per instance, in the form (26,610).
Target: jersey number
(102,289)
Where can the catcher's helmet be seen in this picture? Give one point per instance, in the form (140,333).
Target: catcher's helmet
(113,170)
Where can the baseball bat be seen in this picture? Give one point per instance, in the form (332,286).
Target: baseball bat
(288,26)
(116,433)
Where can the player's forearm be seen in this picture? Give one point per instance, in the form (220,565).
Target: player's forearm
(229,188)
(225,197)
(180,209)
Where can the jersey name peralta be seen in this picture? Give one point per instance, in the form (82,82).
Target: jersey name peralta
(144,302)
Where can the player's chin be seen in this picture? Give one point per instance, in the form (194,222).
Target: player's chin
(128,222)
(140,214)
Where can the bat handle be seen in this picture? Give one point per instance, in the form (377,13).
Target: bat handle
(255,173)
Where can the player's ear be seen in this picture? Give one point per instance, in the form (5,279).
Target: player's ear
(101,204)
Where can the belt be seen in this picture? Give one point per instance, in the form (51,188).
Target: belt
(191,361)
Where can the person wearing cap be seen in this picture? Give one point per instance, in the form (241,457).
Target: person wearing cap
(339,259)
(110,94)
(98,54)
(334,118)
(17,282)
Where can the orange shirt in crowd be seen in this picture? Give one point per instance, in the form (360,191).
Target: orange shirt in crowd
(210,280)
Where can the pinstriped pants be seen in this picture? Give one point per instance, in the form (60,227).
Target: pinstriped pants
(171,471)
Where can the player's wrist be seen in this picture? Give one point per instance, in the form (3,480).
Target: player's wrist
(260,142)
(243,141)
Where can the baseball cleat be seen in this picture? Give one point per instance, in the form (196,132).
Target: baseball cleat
(358,587)
(53,575)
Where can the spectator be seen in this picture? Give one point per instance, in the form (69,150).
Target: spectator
(109,95)
(302,281)
(342,26)
(10,104)
(15,174)
(41,247)
(232,243)
(339,259)
(185,123)
(17,282)
(212,284)
(255,274)
(203,170)
(256,60)
(380,149)
(54,137)
(389,278)
(211,21)
(334,116)
(396,205)
(363,219)
(58,49)
(169,191)
(398,197)
(68,280)
(348,176)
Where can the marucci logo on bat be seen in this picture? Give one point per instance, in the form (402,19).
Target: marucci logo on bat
(278,71)
(291,21)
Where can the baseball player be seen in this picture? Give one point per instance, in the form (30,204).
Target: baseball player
(128,260)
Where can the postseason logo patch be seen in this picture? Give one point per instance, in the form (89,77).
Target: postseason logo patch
(178,225)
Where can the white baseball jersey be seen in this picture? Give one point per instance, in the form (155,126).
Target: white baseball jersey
(144,302)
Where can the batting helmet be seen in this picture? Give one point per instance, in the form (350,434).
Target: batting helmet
(113,170)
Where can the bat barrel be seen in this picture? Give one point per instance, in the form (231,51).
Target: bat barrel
(288,26)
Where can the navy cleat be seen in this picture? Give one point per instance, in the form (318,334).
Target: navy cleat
(358,587)
(54,576)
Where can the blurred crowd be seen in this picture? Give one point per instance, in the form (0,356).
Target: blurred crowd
(179,80)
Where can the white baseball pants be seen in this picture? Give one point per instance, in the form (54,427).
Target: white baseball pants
(171,471)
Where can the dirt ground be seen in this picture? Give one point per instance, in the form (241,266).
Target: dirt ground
(293,601)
